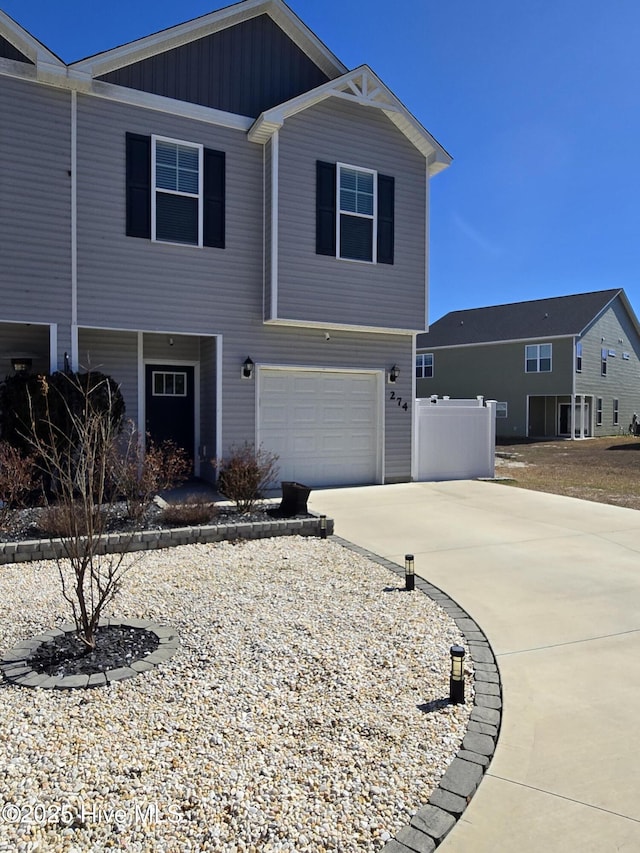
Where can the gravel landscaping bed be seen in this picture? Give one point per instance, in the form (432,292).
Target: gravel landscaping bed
(303,710)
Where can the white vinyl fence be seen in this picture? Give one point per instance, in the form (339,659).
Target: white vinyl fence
(454,439)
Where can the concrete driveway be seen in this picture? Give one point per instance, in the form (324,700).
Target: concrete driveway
(555,584)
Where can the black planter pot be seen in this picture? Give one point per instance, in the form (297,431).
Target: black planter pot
(294,500)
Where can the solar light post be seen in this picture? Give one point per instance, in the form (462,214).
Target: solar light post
(409,573)
(323,526)
(456,680)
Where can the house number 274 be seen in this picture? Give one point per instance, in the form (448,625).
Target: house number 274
(404,406)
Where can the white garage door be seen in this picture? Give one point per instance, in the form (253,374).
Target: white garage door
(323,425)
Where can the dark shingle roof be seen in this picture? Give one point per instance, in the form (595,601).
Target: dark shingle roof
(540,318)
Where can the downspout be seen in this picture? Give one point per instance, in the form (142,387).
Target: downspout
(74,231)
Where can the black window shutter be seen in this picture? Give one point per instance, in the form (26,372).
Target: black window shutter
(213,232)
(385,219)
(138,185)
(325,208)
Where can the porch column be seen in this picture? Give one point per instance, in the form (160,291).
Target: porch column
(572,417)
(581,398)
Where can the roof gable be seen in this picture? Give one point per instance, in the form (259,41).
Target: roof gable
(242,69)
(560,316)
(363,87)
(19,45)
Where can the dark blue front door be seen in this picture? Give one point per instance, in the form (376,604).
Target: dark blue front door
(170,405)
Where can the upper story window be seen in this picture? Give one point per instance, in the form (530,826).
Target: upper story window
(603,361)
(357,214)
(424,365)
(538,358)
(176,205)
(579,357)
(175,191)
(354,213)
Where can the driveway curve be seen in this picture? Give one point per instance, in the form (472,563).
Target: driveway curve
(555,584)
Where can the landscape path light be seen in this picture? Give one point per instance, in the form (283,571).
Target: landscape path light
(456,680)
(409,573)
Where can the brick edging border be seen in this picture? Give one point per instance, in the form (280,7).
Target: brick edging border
(15,667)
(147,540)
(433,822)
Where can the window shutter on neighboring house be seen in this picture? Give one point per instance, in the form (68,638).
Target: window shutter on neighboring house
(214,198)
(325,208)
(386,188)
(138,185)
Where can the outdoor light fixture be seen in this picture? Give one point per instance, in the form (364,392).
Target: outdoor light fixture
(456,680)
(409,573)
(21,364)
(323,526)
(394,373)
(247,368)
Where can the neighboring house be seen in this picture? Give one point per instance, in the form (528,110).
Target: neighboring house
(231,223)
(567,366)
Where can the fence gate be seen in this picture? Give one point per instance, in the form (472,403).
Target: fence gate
(454,439)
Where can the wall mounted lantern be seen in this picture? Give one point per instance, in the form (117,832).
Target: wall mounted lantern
(409,573)
(456,680)
(247,368)
(394,373)
(21,364)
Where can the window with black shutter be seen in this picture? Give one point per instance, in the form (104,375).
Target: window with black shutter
(175,191)
(354,213)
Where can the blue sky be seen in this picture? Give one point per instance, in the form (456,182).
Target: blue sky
(538,102)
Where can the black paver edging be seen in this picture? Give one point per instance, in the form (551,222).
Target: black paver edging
(147,540)
(432,822)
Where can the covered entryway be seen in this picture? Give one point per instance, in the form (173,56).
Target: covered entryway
(325,425)
(169,404)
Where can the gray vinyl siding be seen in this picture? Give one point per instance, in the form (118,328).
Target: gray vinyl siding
(116,354)
(35,203)
(150,285)
(171,348)
(244,69)
(323,289)
(8,51)
(622,381)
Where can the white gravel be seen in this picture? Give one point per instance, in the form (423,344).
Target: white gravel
(289,720)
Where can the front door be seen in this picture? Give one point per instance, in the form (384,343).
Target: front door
(170,405)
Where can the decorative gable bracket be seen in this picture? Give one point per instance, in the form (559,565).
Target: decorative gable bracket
(360,86)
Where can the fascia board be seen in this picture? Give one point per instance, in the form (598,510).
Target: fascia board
(627,306)
(437,157)
(329,326)
(535,338)
(144,48)
(23,41)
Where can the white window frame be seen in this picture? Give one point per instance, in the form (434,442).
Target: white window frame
(603,361)
(165,373)
(155,189)
(537,358)
(579,357)
(421,357)
(599,411)
(373,217)
(502,410)
(616,411)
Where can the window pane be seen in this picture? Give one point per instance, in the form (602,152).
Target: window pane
(356,238)
(348,179)
(532,365)
(179,384)
(158,383)
(176,218)
(167,153)
(545,365)
(545,351)
(347,200)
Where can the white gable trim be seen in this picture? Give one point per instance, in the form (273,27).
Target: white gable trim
(26,43)
(360,86)
(287,20)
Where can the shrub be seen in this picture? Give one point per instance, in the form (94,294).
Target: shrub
(192,511)
(18,477)
(137,476)
(245,474)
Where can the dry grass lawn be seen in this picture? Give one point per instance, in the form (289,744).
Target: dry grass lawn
(606,470)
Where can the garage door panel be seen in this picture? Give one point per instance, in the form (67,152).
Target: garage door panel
(324,425)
